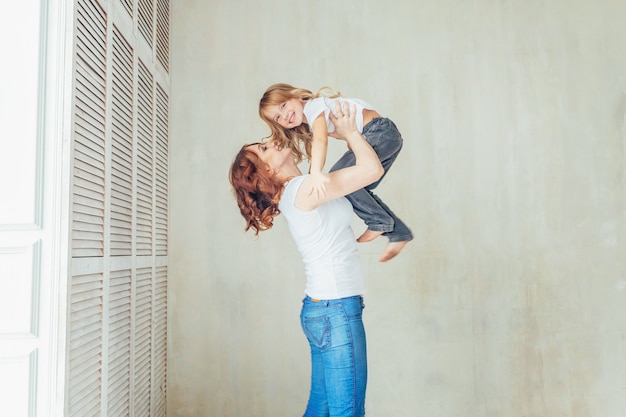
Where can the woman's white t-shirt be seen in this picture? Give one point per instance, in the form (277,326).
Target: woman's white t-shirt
(332,264)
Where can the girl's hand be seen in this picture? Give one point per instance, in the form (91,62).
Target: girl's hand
(344,121)
(318,183)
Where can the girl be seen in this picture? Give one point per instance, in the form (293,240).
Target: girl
(267,181)
(300,119)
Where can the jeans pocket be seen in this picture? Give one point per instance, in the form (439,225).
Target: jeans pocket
(317,331)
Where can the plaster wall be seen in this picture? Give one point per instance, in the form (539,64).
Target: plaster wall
(511,299)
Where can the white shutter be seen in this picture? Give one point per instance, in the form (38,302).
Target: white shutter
(159,331)
(122,147)
(117,335)
(161,171)
(146,19)
(89,130)
(163,33)
(85,342)
(128,5)
(144,161)
(84,391)
(119,343)
(143,341)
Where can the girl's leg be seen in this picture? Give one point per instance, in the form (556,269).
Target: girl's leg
(363,202)
(384,137)
(400,232)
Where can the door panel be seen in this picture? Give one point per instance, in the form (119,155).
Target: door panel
(24,301)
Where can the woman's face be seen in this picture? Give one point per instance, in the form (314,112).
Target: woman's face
(274,155)
(288,114)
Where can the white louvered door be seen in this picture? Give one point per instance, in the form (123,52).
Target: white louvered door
(117,309)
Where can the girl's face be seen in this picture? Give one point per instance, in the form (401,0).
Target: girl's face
(288,114)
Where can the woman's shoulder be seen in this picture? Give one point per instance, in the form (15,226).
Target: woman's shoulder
(295,181)
(287,201)
(293,185)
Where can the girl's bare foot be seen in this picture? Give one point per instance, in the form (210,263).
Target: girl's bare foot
(392,249)
(368,236)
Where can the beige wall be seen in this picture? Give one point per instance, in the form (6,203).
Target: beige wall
(511,299)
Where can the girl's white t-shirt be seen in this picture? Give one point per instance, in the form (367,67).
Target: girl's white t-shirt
(313,108)
(332,264)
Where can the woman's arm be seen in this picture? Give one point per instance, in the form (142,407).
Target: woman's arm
(365,171)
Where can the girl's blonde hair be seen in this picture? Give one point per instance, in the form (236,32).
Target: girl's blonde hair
(299,138)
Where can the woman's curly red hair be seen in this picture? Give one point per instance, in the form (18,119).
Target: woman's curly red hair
(257,191)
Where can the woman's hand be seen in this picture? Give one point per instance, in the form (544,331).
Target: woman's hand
(344,120)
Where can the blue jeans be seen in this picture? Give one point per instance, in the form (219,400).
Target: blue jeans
(383,135)
(334,329)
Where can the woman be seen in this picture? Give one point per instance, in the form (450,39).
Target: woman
(267,181)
